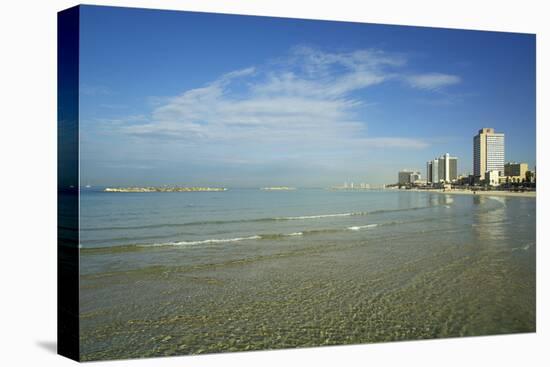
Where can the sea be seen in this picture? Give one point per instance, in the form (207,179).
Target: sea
(172,273)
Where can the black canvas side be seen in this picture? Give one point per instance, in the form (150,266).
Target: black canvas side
(68,183)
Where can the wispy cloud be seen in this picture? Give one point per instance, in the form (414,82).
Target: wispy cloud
(432,81)
(299,117)
(308,99)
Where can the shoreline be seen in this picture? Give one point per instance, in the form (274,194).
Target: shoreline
(527,194)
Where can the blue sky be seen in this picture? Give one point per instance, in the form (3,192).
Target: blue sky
(209,99)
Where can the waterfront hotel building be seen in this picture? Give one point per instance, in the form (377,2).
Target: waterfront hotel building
(406,177)
(488,152)
(442,169)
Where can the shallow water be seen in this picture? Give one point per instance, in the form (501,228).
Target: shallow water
(188,273)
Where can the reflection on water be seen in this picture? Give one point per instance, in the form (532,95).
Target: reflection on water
(437,199)
(490,219)
(421,199)
(447,199)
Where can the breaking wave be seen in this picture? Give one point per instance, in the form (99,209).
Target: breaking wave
(252,220)
(273,236)
(320,216)
(357,228)
(215,240)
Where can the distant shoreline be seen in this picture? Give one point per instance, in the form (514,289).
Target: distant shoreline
(525,194)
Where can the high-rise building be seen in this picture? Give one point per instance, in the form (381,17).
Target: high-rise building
(435,171)
(442,169)
(488,152)
(406,177)
(453,169)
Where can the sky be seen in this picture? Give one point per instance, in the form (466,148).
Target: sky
(183,98)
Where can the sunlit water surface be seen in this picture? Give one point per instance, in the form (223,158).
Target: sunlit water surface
(202,272)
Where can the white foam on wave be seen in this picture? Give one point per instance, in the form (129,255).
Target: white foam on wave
(238,239)
(357,228)
(295,234)
(202,242)
(317,216)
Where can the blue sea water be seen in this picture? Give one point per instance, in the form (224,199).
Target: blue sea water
(194,218)
(250,269)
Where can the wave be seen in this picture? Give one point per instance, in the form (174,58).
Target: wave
(320,216)
(206,222)
(268,236)
(296,234)
(236,239)
(356,228)
(262,236)
(254,220)
(201,242)
(228,240)
(130,239)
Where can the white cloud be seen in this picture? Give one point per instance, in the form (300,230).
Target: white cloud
(432,81)
(303,111)
(305,100)
(315,61)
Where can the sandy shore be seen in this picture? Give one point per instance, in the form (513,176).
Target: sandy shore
(530,194)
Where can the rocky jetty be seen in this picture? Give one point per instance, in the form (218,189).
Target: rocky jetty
(163,189)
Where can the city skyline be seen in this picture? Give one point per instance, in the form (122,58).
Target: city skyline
(490,165)
(442,168)
(300,103)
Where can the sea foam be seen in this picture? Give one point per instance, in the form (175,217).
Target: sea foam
(319,216)
(201,242)
(357,228)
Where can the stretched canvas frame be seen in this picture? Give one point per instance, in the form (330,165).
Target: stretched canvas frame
(358,321)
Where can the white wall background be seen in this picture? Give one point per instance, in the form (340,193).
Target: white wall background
(28,181)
